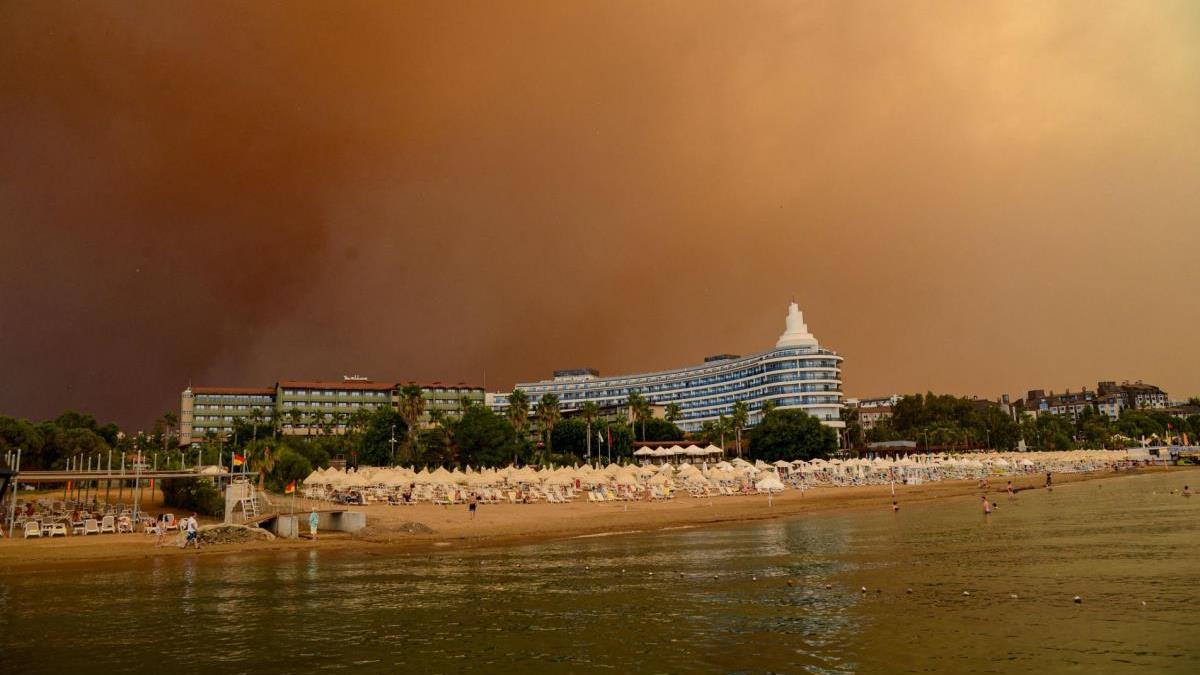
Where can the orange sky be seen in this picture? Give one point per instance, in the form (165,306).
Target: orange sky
(968,197)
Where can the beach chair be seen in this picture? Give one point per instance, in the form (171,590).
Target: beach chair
(77,526)
(58,529)
(33,529)
(169,522)
(109,524)
(124,525)
(151,526)
(91,526)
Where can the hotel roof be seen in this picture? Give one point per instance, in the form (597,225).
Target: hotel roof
(245,391)
(352,385)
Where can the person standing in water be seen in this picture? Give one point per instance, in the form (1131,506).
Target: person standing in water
(1049,481)
(313,519)
(1187,491)
(987,506)
(1011,494)
(895,506)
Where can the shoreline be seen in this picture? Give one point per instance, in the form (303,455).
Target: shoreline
(506,525)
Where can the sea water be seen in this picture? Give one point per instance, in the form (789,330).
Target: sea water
(948,589)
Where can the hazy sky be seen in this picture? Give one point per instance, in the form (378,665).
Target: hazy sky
(967,197)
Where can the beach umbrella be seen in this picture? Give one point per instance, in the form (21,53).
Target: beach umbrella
(769,484)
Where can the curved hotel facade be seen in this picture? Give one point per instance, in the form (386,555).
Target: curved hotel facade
(797,374)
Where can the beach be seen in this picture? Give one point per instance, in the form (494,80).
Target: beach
(515,524)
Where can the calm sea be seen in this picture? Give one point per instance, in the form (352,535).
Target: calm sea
(783,596)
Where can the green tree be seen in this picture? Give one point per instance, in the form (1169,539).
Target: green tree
(590,412)
(288,466)
(655,429)
(641,410)
(548,414)
(375,447)
(673,412)
(738,421)
(790,435)
(485,438)
(518,414)
(571,437)
(412,407)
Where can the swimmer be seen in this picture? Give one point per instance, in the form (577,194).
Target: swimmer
(895,506)
(1187,491)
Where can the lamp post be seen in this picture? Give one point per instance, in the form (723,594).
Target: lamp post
(392,442)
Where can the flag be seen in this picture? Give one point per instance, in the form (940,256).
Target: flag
(238,460)
(289,488)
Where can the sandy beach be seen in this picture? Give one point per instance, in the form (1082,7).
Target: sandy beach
(514,524)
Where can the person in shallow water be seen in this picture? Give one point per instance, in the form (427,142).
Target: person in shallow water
(987,506)
(1187,491)
(895,506)
(1011,494)
(312,523)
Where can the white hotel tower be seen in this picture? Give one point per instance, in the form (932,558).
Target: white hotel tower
(796,374)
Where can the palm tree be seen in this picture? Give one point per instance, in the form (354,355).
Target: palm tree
(518,414)
(266,464)
(170,421)
(295,415)
(549,413)
(722,428)
(589,412)
(640,407)
(741,415)
(673,412)
(412,407)
(256,418)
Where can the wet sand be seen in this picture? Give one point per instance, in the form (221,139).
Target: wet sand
(513,524)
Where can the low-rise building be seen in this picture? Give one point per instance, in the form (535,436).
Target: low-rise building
(307,407)
(1109,399)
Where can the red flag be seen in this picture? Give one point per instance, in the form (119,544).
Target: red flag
(238,460)
(290,488)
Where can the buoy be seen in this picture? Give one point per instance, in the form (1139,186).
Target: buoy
(652,574)
(864,589)
(1013,596)
(909,591)
(1078,600)
(681,575)
(716,577)
(753,578)
(827,586)
(1143,603)
(966,592)
(587,567)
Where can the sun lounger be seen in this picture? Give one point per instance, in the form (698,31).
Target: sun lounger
(58,529)
(109,524)
(33,529)
(124,525)
(169,522)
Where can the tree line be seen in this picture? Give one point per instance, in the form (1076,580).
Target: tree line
(946,422)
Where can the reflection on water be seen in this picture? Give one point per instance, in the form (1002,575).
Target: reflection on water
(702,600)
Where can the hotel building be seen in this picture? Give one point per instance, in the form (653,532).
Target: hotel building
(306,407)
(796,374)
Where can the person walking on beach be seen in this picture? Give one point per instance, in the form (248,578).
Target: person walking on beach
(473,505)
(160,524)
(313,519)
(193,535)
(1011,494)
(1049,481)
(987,506)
